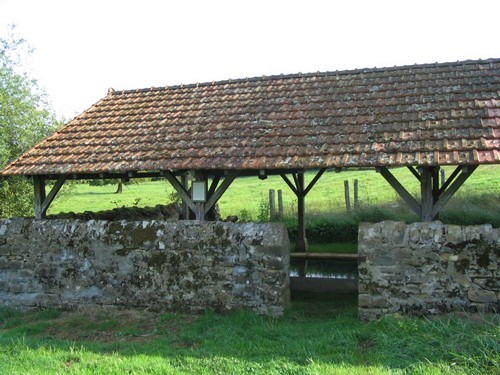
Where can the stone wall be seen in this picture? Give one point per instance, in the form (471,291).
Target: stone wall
(427,268)
(160,265)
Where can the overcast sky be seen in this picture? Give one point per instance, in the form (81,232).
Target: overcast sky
(83,47)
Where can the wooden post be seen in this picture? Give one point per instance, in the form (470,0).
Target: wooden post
(301,208)
(42,200)
(272,205)
(200,211)
(280,204)
(426,194)
(356,200)
(443,177)
(433,198)
(185,206)
(347,197)
(300,191)
(40,195)
(429,190)
(435,189)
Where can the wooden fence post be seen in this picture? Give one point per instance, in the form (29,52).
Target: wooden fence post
(347,197)
(272,205)
(356,200)
(280,204)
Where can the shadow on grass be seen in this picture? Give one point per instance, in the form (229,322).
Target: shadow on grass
(319,332)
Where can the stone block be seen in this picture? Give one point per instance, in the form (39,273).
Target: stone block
(482,296)
(487,283)
(371,314)
(372,301)
(454,234)
(368,232)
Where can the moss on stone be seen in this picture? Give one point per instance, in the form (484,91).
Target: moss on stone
(462,265)
(157,261)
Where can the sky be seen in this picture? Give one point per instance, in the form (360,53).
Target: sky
(84,47)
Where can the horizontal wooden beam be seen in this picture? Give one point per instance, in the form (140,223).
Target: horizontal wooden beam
(326,256)
(161,173)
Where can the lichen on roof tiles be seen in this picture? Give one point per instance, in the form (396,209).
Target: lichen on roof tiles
(432,114)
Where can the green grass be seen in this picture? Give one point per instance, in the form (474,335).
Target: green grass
(245,195)
(319,334)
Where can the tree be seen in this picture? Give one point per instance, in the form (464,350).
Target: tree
(25,119)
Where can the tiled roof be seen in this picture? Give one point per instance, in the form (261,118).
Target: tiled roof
(434,114)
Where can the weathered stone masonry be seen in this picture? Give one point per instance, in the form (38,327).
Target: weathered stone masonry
(150,264)
(427,268)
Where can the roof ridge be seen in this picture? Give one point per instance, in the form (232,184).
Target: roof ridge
(263,78)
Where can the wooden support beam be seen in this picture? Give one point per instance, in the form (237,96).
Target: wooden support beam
(301,208)
(432,197)
(290,184)
(217,194)
(426,194)
(435,182)
(450,179)
(300,187)
(414,172)
(396,185)
(453,186)
(314,180)
(39,196)
(181,190)
(213,185)
(300,190)
(435,188)
(52,194)
(42,201)
(185,211)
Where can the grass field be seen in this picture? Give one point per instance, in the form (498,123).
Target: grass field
(247,195)
(319,334)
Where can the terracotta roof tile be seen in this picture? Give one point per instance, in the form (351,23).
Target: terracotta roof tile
(411,115)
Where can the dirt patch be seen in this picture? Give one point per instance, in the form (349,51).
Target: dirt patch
(104,325)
